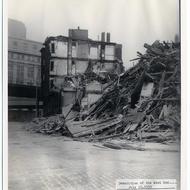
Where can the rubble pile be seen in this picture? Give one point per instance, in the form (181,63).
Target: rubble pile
(160,65)
(147,95)
(141,104)
(93,128)
(48,125)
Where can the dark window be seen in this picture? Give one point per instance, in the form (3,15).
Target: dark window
(51,65)
(51,84)
(53,48)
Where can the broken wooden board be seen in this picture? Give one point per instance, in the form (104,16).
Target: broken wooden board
(78,131)
(90,123)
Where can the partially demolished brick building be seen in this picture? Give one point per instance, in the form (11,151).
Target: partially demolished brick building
(75,69)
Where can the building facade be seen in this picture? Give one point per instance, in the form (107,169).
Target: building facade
(75,55)
(24,62)
(24,67)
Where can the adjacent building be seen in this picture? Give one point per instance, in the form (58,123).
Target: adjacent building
(24,67)
(24,58)
(24,62)
(75,55)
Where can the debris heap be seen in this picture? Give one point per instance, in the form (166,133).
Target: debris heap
(160,65)
(141,104)
(48,125)
(147,95)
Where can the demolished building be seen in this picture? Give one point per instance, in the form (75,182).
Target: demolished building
(141,104)
(71,66)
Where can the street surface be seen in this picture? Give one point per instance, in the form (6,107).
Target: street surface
(39,162)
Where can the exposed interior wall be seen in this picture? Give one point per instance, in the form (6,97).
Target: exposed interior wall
(94,52)
(80,66)
(67,56)
(59,67)
(109,52)
(82,50)
(59,48)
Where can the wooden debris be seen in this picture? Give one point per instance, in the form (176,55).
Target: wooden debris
(91,128)
(123,111)
(49,125)
(160,65)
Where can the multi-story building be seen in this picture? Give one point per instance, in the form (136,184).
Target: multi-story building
(24,66)
(74,55)
(24,62)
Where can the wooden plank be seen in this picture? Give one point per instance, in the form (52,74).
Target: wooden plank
(90,123)
(84,131)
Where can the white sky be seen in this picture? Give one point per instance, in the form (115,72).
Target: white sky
(130,22)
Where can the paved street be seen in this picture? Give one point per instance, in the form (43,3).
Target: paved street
(39,162)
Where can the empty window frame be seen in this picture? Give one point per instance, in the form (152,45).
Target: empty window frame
(52,48)
(51,65)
